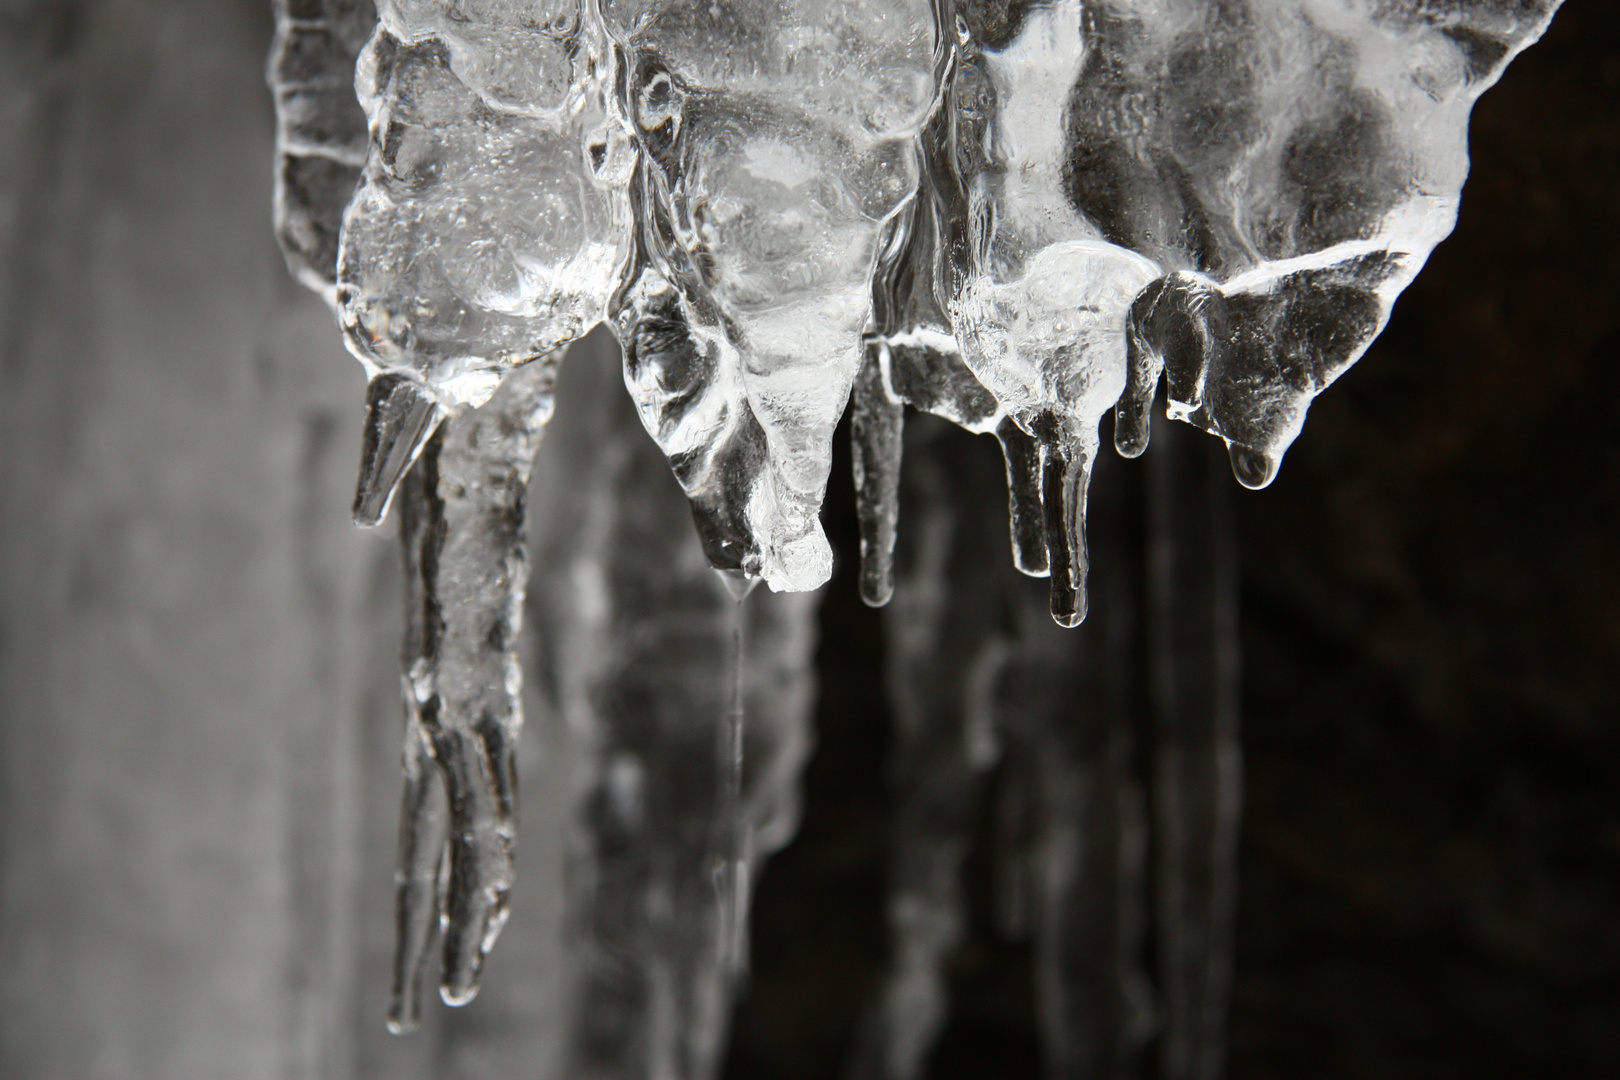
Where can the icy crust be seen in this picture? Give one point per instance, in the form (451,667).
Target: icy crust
(489,226)
(518,57)
(320,129)
(860,66)
(1021,221)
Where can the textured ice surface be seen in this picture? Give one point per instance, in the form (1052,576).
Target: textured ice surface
(1234,193)
(1010,215)
(462,526)
(775,142)
(488,227)
(1289,166)
(320,129)
(1036,296)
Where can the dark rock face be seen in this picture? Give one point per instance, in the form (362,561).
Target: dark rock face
(1430,867)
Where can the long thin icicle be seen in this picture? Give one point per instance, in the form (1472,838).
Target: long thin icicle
(876,425)
(1068,709)
(947,645)
(463,531)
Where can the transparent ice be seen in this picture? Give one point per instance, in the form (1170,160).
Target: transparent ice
(775,144)
(1013,217)
(486,230)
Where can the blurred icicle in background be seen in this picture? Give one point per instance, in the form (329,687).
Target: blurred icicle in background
(1090,752)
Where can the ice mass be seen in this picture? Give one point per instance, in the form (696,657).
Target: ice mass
(1019,218)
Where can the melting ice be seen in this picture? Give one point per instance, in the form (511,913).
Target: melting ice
(1014,217)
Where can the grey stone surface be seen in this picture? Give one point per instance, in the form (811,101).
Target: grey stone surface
(198,723)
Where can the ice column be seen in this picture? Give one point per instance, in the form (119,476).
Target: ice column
(462,527)
(486,232)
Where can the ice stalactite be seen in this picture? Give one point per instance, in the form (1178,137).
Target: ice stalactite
(1014,217)
(462,527)
(320,129)
(484,235)
(775,144)
(1035,297)
(1296,169)
(877,426)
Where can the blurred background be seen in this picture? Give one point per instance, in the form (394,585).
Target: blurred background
(198,719)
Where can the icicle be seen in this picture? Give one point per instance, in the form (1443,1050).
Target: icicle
(1007,221)
(401,415)
(701,421)
(876,428)
(320,130)
(1037,300)
(774,164)
(1197,771)
(1065,476)
(1025,513)
(1279,273)
(467,571)
(1069,718)
(947,650)
(418,879)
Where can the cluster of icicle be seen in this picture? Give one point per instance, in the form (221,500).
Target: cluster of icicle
(1016,216)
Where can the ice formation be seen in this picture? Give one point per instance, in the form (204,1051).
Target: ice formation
(635,639)
(775,145)
(1016,217)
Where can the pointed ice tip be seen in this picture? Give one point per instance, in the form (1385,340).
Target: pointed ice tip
(401,415)
(458,995)
(1254,469)
(1133,424)
(877,589)
(1068,607)
(399,1023)
(737,583)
